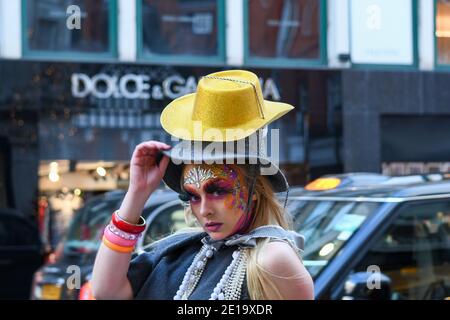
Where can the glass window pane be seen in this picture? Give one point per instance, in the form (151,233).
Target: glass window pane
(49,22)
(414,252)
(443,31)
(167,222)
(180,27)
(326,226)
(287,29)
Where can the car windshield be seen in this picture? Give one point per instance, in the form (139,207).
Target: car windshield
(326,226)
(86,229)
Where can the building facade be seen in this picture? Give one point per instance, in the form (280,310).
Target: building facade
(82,82)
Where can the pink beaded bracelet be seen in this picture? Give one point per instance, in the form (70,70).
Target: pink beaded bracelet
(123,234)
(113,238)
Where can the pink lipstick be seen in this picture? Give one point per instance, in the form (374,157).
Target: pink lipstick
(213,226)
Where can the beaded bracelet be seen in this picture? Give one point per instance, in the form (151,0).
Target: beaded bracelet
(116,247)
(126,226)
(123,234)
(113,238)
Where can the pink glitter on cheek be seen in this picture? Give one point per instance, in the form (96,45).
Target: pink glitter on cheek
(239,224)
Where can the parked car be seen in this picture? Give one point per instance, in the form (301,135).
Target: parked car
(21,254)
(75,255)
(379,242)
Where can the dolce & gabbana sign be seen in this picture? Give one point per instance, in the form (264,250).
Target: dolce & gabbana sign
(138,86)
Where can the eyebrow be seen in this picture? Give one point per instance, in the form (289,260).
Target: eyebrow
(207,184)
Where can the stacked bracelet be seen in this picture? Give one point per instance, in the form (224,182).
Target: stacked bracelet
(121,235)
(116,247)
(114,238)
(126,226)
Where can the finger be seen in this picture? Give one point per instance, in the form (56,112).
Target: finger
(163,165)
(150,148)
(159,144)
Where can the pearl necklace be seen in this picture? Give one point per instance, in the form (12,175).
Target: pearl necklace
(229,286)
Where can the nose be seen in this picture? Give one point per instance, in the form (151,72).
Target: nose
(205,208)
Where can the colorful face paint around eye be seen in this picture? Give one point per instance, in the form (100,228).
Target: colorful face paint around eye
(238,201)
(229,181)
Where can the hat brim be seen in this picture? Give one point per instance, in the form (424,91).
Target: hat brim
(174,170)
(176,119)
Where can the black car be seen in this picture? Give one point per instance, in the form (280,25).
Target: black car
(75,255)
(380,242)
(21,254)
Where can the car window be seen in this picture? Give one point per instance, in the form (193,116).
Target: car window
(86,229)
(414,253)
(327,226)
(166,222)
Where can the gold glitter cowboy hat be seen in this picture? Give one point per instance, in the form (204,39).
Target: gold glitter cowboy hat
(227,106)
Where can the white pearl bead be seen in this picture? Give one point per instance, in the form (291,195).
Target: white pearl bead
(221,296)
(214,296)
(209,253)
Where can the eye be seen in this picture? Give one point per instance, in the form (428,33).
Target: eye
(188,197)
(218,191)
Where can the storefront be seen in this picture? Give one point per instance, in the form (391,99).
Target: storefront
(73,126)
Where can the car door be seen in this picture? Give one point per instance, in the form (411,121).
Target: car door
(413,253)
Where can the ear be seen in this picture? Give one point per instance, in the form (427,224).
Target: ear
(254,197)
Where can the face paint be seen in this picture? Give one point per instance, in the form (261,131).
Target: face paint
(238,201)
(229,181)
(197,175)
(218,194)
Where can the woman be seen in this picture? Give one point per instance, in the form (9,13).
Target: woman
(244,251)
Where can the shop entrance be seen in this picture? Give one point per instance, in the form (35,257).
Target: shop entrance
(64,187)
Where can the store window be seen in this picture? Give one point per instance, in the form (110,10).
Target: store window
(181,30)
(442,31)
(380,36)
(285,32)
(414,252)
(70,29)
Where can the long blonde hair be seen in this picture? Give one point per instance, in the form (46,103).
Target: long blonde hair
(267,211)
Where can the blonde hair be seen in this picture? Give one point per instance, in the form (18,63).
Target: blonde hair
(267,211)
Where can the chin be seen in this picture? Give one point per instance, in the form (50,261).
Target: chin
(217,235)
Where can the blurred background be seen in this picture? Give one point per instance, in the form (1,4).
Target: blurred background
(83,81)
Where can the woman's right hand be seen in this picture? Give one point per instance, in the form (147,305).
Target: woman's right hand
(145,173)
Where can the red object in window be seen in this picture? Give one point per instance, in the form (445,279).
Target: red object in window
(42,208)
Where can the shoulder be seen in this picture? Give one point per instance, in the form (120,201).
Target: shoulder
(287,272)
(279,258)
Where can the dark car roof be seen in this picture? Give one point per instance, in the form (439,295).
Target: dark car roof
(158,197)
(387,191)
